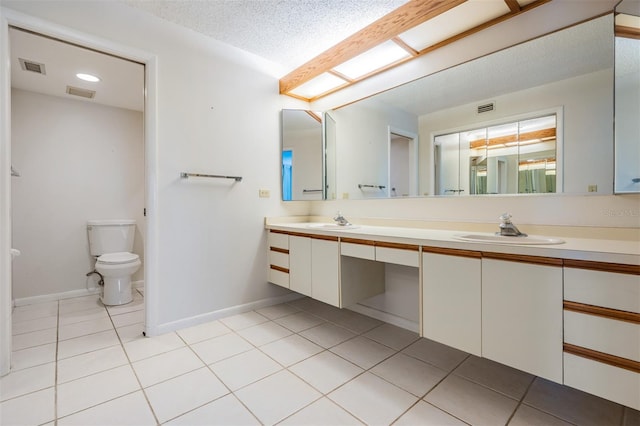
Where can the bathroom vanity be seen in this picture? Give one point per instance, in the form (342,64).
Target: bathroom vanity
(566,312)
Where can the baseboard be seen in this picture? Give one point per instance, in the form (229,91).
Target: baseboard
(212,316)
(386,317)
(137,284)
(24,301)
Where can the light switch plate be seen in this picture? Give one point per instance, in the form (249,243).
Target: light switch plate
(264,193)
(592,188)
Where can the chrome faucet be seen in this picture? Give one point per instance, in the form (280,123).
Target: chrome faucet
(507,228)
(341,220)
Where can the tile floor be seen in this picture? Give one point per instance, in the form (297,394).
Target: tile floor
(300,363)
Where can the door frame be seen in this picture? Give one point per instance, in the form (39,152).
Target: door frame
(11,18)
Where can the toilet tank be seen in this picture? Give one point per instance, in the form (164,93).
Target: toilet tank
(110,236)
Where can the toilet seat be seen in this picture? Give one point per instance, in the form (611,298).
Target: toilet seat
(119,258)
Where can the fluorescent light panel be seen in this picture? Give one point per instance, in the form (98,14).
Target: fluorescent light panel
(453,22)
(373,59)
(319,85)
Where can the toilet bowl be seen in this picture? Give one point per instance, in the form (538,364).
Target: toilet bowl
(111,244)
(116,270)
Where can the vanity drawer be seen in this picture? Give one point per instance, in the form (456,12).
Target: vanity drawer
(279,258)
(409,256)
(607,381)
(362,251)
(279,277)
(278,240)
(602,288)
(610,336)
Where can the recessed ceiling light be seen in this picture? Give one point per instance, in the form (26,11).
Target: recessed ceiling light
(87,77)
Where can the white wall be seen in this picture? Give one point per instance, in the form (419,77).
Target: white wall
(587,103)
(217,112)
(362,136)
(77,161)
(306,146)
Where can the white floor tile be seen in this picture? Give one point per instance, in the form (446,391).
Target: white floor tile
(277,396)
(31,357)
(90,363)
(130,332)
(205,331)
(137,304)
(240,321)
(69,331)
(300,321)
(92,390)
(356,322)
(177,396)
(326,371)
(34,324)
(128,410)
(363,352)
(35,338)
(321,413)
(25,381)
(291,349)
(150,346)
(32,409)
(410,374)
(327,335)
(219,348)
(128,318)
(37,310)
(442,356)
(427,415)
(226,411)
(245,368)
(88,343)
(395,337)
(277,311)
(264,333)
(372,400)
(91,314)
(166,366)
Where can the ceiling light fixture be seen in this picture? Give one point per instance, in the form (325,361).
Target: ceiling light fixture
(88,77)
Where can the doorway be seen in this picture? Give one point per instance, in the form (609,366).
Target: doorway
(149,184)
(403,166)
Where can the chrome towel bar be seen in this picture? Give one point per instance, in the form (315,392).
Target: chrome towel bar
(306,191)
(186,175)
(360,185)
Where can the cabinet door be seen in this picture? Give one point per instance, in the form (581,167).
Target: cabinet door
(325,283)
(451,301)
(522,316)
(300,264)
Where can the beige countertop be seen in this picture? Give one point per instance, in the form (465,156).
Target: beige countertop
(599,250)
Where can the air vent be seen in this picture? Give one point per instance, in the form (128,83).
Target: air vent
(486,108)
(84,93)
(32,66)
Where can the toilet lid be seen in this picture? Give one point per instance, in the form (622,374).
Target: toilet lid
(120,257)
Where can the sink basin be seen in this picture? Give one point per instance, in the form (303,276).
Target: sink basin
(331,226)
(500,239)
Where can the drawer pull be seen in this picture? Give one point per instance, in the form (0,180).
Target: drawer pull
(616,361)
(602,312)
(279,250)
(280,268)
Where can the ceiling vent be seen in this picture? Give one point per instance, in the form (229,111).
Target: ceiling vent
(488,107)
(84,93)
(32,66)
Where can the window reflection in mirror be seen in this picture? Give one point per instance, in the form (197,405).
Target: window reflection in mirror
(516,157)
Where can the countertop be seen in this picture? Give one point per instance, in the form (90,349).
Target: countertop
(598,250)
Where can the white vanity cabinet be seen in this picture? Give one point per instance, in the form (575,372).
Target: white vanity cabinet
(325,270)
(602,330)
(522,313)
(451,298)
(300,264)
(278,243)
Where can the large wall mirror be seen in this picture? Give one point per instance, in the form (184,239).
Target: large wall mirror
(533,118)
(627,97)
(308,155)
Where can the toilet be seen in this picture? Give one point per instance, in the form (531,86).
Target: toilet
(111,243)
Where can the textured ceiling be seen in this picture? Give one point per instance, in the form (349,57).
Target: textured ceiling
(287,32)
